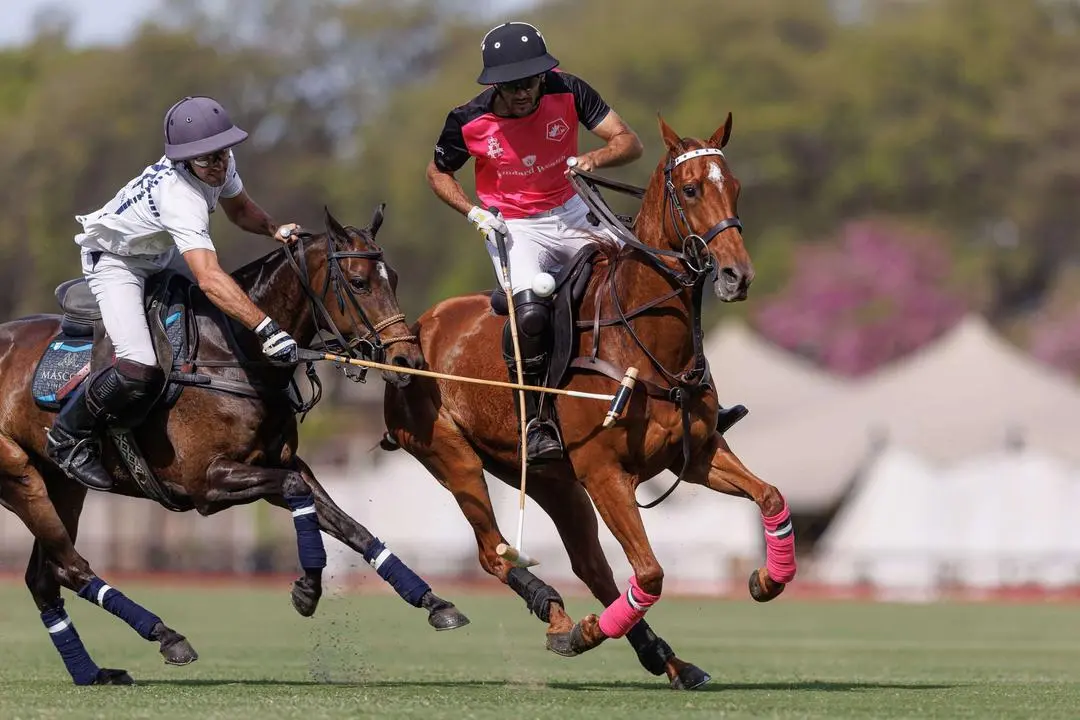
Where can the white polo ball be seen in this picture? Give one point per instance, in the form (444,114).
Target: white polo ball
(543,284)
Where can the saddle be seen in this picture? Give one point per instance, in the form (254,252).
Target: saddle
(570,285)
(81,347)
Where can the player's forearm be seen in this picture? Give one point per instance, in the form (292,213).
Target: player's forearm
(254,219)
(448,189)
(228,297)
(622,149)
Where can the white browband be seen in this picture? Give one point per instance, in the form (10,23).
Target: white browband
(696,153)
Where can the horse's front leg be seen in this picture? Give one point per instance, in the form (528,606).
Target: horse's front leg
(612,492)
(234,483)
(442,614)
(718,468)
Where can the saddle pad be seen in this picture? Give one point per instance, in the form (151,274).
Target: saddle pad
(66,360)
(62,367)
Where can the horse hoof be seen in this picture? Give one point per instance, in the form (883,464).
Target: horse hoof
(178,651)
(562,644)
(109,676)
(690,677)
(759,590)
(305,597)
(447,618)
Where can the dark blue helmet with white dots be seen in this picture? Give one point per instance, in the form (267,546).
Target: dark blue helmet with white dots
(514,51)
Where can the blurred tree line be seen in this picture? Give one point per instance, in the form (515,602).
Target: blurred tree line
(955,118)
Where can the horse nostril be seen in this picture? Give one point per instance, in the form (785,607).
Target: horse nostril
(400,361)
(731,276)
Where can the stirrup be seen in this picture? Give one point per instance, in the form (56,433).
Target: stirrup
(551,445)
(64,453)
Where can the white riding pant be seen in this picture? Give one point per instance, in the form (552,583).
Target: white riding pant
(118,282)
(545,242)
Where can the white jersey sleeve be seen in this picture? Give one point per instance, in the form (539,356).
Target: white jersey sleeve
(233,184)
(185,217)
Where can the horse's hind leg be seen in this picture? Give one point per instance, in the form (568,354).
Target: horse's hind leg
(719,469)
(55,561)
(459,469)
(442,614)
(568,505)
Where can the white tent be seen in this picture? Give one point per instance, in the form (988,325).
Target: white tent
(889,532)
(773,383)
(968,394)
(1008,524)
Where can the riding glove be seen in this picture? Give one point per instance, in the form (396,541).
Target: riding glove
(278,345)
(487,222)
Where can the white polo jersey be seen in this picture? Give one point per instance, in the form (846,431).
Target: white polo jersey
(164,207)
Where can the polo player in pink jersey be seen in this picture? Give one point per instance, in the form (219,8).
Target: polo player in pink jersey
(522,130)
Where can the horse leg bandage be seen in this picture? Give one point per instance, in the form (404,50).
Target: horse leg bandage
(780,546)
(139,618)
(410,586)
(536,593)
(62,632)
(625,612)
(309,541)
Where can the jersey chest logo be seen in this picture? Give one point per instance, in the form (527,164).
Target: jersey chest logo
(557,129)
(494,149)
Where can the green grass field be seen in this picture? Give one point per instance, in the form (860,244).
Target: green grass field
(374,656)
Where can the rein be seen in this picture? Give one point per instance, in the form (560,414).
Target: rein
(365,344)
(698,264)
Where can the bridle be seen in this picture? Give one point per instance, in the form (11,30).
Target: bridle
(695,255)
(366,341)
(698,264)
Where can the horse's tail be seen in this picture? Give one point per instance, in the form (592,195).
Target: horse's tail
(388,442)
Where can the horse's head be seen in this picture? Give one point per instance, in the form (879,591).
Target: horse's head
(699,208)
(356,290)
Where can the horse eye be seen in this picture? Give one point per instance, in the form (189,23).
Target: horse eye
(689,190)
(358,284)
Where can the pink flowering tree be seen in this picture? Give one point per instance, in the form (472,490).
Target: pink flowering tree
(1054,338)
(872,296)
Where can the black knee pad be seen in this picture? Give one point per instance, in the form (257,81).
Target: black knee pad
(533,314)
(123,393)
(534,330)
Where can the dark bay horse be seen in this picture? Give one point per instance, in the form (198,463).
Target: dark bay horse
(641,308)
(229,438)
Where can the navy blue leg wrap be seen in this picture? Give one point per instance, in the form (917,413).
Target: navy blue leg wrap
(62,631)
(139,618)
(309,541)
(410,586)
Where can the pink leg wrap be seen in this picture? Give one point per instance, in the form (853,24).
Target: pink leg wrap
(625,612)
(780,546)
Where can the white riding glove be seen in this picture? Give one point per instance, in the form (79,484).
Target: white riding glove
(487,222)
(278,345)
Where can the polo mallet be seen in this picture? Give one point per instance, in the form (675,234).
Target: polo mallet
(516,554)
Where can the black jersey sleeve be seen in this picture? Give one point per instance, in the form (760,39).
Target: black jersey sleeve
(451,154)
(591,108)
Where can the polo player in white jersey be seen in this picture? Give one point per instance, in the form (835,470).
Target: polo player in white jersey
(522,131)
(160,220)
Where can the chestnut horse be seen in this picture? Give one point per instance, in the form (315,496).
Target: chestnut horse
(229,438)
(641,309)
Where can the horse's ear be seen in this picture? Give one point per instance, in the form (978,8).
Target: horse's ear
(377,219)
(722,135)
(337,232)
(671,138)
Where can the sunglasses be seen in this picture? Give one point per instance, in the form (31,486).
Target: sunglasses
(205,161)
(524,84)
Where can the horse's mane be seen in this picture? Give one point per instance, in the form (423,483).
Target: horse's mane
(246,275)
